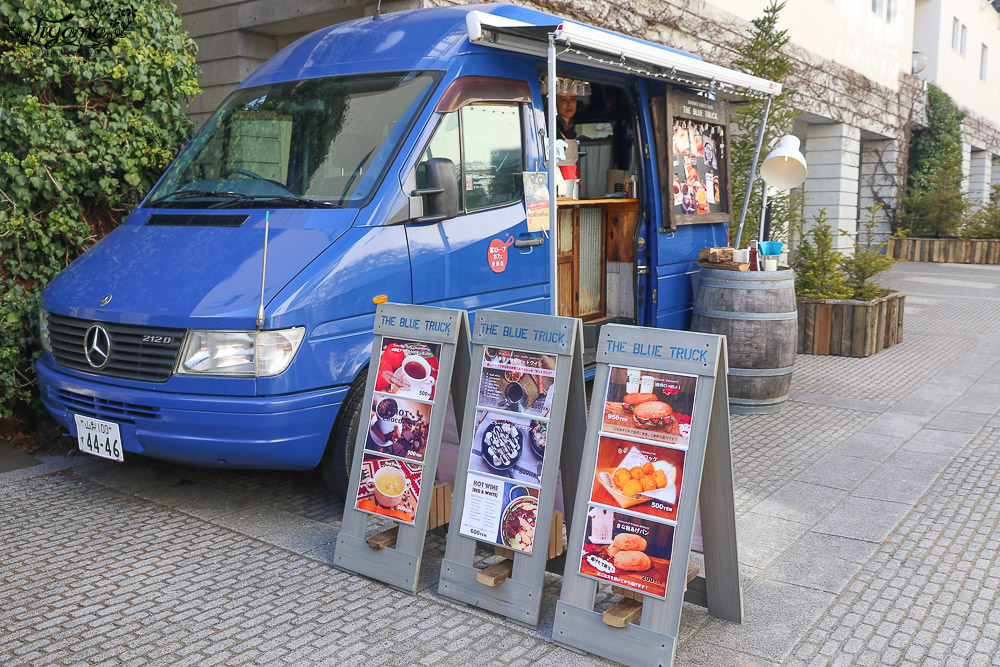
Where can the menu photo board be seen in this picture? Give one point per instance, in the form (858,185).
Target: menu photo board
(699,160)
(513,403)
(419,361)
(642,446)
(397,429)
(657,450)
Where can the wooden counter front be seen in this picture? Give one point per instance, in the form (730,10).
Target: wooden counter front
(592,233)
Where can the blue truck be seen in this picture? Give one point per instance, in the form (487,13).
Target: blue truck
(228,321)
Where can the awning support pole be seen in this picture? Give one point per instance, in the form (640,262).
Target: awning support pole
(753,171)
(553,230)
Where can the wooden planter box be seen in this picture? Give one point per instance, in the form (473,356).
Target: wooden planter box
(959,251)
(849,328)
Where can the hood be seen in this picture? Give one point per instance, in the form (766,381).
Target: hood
(172,275)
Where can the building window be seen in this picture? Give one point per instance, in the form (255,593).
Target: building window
(876,7)
(890,10)
(959,33)
(984,56)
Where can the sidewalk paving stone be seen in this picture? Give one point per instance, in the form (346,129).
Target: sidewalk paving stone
(874,446)
(821,561)
(801,501)
(862,518)
(764,538)
(899,485)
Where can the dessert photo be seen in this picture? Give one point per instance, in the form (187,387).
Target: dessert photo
(642,478)
(651,405)
(509,446)
(398,427)
(627,551)
(681,138)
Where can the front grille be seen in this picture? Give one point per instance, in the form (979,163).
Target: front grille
(100,408)
(137,352)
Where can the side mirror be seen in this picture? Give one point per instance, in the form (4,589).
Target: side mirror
(441,190)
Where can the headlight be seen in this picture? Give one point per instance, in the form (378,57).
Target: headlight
(239,353)
(43,330)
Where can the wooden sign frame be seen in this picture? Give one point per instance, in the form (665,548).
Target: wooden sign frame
(707,479)
(517,594)
(687,109)
(397,562)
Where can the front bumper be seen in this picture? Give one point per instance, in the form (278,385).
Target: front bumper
(277,433)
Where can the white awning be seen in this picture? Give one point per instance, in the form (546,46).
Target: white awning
(593,47)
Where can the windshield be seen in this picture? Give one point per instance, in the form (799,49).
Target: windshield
(319,142)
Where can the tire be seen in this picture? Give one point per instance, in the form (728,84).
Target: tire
(335,467)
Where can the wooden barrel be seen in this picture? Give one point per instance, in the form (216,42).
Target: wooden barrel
(756,312)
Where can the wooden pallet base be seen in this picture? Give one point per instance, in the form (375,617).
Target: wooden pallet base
(629,609)
(494,575)
(439,515)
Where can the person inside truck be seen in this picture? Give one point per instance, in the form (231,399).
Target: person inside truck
(565,110)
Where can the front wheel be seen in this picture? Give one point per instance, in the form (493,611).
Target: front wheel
(335,467)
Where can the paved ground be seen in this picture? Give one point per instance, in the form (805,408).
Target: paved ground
(866,511)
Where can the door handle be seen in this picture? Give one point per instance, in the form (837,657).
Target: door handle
(527,243)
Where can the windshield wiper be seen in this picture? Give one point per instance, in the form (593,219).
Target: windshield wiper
(299,202)
(193,194)
(229,198)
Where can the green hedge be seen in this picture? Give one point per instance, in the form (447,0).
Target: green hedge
(91,112)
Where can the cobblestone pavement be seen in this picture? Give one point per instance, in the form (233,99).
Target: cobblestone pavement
(865,509)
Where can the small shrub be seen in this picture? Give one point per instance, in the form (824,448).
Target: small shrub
(869,260)
(938,209)
(934,205)
(819,273)
(984,223)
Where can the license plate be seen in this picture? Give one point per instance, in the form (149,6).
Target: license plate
(99,438)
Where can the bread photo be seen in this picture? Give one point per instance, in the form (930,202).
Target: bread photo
(630,542)
(629,401)
(651,414)
(632,561)
(626,542)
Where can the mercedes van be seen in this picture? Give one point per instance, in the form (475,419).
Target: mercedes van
(228,321)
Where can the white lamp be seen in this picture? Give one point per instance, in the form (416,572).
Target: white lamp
(783,168)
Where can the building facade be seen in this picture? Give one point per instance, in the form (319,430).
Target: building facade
(861,71)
